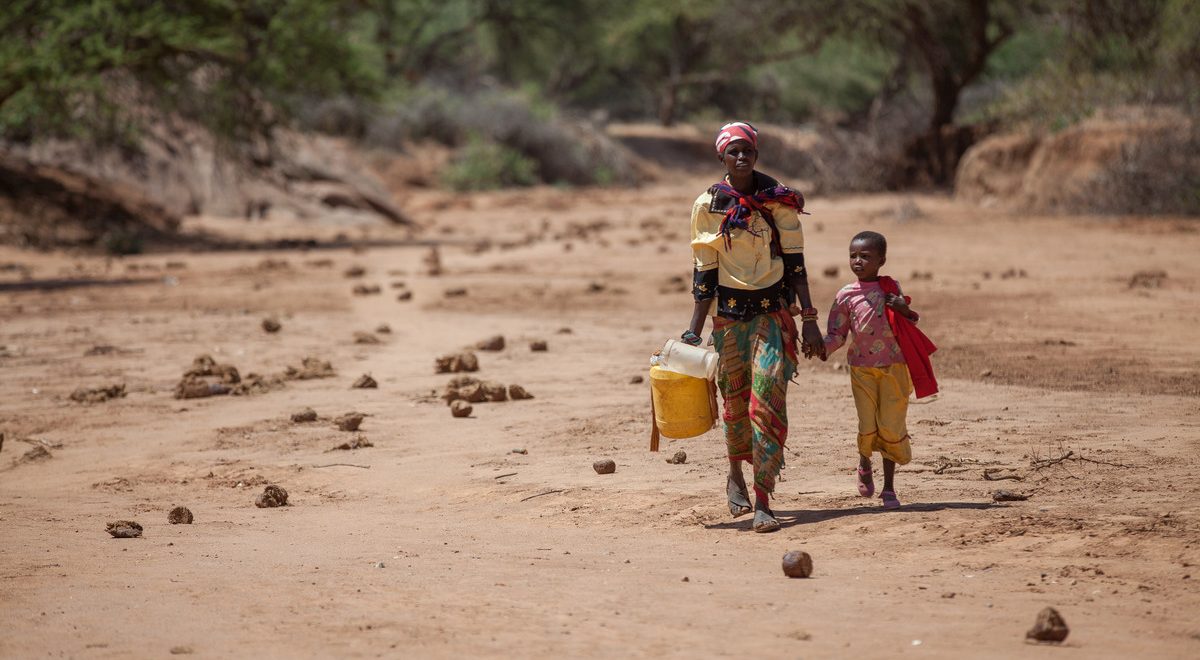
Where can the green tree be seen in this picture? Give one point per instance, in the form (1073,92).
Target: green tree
(77,65)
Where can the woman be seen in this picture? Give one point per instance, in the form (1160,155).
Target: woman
(749,265)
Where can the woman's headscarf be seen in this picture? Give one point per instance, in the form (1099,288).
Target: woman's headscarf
(733,131)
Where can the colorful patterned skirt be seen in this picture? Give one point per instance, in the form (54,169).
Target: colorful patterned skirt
(758,358)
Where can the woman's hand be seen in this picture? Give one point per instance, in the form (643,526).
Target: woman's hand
(813,343)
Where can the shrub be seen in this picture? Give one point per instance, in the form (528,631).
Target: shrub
(484,165)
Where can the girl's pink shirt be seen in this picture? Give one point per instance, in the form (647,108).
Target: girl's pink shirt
(859,310)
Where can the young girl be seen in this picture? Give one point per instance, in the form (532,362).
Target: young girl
(749,264)
(875,312)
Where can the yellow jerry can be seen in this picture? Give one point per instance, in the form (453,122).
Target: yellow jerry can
(683,406)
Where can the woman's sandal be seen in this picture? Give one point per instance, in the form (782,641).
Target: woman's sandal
(890,501)
(866,485)
(765,522)
(739,499)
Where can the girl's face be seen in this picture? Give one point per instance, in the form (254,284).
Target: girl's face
(739,158)
(866,260)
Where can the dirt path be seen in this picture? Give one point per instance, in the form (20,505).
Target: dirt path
(450,544)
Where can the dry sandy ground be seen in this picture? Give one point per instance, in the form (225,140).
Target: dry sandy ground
(445,543)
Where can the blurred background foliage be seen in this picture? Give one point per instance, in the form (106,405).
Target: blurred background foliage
(476,73)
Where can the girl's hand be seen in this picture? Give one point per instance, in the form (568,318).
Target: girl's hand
(897,303)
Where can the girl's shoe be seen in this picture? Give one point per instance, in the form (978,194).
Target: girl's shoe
(739,499)
(890,501)
(866,485)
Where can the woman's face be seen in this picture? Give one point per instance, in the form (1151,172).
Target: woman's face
(739,158)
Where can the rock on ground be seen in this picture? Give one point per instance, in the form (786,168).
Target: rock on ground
(272,496)
(797,564)
(456,362)
(306,415)
(180,515)
(517,393)
(124,529)
(494,343)
(98,394)
(460,408)
(605,466)
(679,458)
(309,368)
(271,325)
(1049,627)
(349,421)
(365,382)
(539,345)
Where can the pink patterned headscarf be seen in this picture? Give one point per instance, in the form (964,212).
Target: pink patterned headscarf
(736,130)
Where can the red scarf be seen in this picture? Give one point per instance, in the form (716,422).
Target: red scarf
(913,343)
(738,215)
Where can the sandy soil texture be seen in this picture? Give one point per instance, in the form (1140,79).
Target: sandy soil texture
(1070,369)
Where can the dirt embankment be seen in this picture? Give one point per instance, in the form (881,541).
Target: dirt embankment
(1127,160)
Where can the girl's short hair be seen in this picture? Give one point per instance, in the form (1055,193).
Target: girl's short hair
(873,238)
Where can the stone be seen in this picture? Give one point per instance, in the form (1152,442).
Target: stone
(456,362)
(605,466)
(797,564)
(271,497)
(404,296)
(636,380)
(349,422)
(271,325)
(124,529)
(518,393)
(494,343)
(365,382)
(1049,627)
(539,345)
(460,408)
(306,415)
(366,338)
(493,391)
(383,329)
(679,458)
(365,289)
(98,394)
(180,515)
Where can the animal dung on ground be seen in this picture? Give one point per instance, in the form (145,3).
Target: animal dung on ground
(365,382)
(404,296)
(679,458)
(456,362)
(309,368)
(539,345)
(366,338)
(1049,627)
(797,564)
(98,394)
(365,289)
(493,391)
(1008,496)
(180,515)
(124,529)
(494,343)
(206,377)
(272,496)
(271,325)
(460,408)
(306,415)
(518,393)
(349,422)
(359,442)
(605,466)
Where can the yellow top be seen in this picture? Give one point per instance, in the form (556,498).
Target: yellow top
(746,263)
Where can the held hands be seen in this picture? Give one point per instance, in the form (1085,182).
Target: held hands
(812,344)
